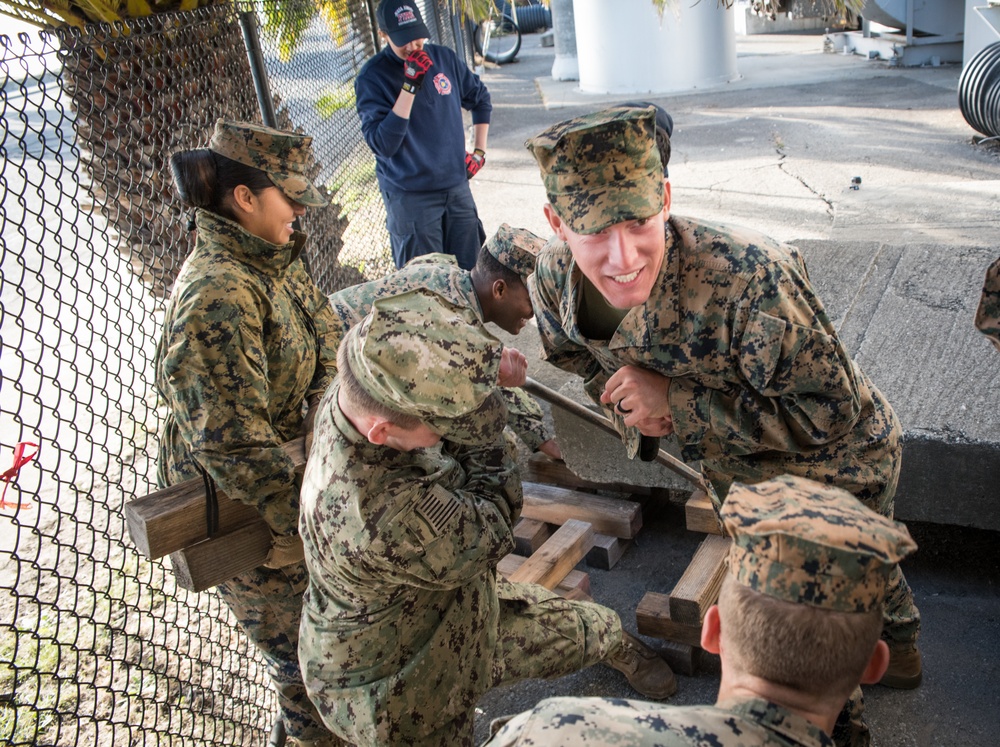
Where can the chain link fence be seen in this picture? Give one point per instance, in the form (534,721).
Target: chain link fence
(98,646)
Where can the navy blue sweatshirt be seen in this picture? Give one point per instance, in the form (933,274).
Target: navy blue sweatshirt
(425,153)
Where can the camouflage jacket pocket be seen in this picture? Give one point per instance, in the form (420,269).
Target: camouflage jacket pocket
(760,349)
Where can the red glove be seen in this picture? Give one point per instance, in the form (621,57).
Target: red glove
(474,161)
(415,68)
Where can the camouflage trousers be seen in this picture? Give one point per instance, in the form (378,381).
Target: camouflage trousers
(540,635)
(268,604)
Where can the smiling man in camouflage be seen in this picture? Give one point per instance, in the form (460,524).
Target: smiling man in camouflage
(408,504)
(707,332)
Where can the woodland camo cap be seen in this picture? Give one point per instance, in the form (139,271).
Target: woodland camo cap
(284,156)
(420,355)
(813,544)
(602,168)
(515,248)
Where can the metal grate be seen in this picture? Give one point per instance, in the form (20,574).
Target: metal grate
(97,644)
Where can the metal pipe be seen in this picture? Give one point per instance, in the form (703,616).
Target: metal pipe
(248,22)
(575,408)
(376,39)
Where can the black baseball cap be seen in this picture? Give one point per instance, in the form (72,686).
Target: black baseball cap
(401,21)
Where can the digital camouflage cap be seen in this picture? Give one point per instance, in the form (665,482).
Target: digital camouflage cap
(602,168)
(420,355)
(284,156)
(813,544)
(515,248)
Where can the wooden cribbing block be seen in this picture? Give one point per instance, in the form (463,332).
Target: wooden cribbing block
(576,584)
(653,619)
(529,535)
(611,516)
(539,468)
(698,588)
(699,514)
(212,561)
(173,518)
(606,552)
(553,560)
(681,657)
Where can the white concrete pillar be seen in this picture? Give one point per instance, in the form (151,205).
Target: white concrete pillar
(565,66)
(624,46)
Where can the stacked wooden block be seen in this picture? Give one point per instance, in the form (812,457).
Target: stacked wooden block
(561,525)
(677,617)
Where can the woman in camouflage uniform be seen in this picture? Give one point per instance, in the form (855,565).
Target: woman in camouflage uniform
(248,340)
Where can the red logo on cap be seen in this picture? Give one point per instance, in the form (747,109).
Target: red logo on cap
(404,15)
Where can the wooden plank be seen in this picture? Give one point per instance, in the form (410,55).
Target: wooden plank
(173,518)
(652,617)
(698,588)
(576,584)
(529,535)
(540,469)
(209,563)
(607,551)
(553,560)
(699,514)
(611,516)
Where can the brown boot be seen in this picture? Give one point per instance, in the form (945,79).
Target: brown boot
(905,670)
(645,671)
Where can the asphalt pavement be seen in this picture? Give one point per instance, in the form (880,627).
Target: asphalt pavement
(899,262)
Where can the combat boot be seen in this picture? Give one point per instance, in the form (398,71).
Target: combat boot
(644,669)
(905,669)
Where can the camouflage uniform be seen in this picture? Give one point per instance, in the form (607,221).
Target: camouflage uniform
(596,722)
(760,384)
(794,540)
(405,623)
(988,312)
(441,274)
(247,338)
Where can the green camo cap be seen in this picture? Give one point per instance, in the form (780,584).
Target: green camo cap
(284,156)
(602,168)
(813,544)
(515,248)
(420,355)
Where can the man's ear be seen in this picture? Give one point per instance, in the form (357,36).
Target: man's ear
(711,630)
(379,431)
(554,221)
(499,288)
(877,664)
(666,198)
